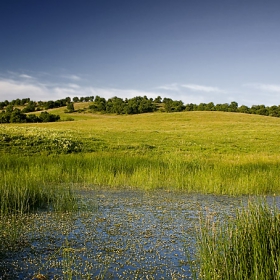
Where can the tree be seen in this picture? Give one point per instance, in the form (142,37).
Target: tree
(190,107)
(158,99)
(46,117)
(210,107)
(49,105)
(4,117)
(70,107)
(167,104)
(274,111)
(17,116)
(30,107)
(32,118)
(9,108)
(201,107)
(244,109)
(233,106)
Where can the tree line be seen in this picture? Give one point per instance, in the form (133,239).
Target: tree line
(17,116)
(32,106)
(117,105)
(139,105)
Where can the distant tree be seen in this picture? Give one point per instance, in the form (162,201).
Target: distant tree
(70,107)
(32,118)
(76,99)
(190,107)
(17,116)
(243,109)
(31,106)
(167,104)
(49,104)
(9,108)
(46,117)
(261,110)
(210,107)
(158,99)
(17,102)
(24,101)
(115,105)
(222,107)
(178,106)
(4,117)
(99,104)
(274,111)
(202,107)
(233,107)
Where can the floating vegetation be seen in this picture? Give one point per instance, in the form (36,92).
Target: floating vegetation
(130,235)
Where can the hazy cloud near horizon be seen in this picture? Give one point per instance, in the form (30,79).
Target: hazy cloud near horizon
(23,86)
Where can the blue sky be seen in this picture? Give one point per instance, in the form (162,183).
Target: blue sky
(191,50)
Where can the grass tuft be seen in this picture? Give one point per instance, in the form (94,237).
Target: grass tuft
(245,247)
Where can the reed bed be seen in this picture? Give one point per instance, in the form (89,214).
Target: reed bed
(28,182)
(245,247)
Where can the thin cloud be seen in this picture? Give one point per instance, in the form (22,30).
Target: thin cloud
(201,88)
(25,76)
(72,77)
(169,87)
(264,87)
(192,87)
(73,86)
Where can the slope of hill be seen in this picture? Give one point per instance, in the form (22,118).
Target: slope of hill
(213,152)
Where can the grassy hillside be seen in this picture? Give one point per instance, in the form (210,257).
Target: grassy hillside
(208,133)
(209,152)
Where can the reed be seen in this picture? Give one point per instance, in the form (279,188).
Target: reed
(26,185)
(245,247)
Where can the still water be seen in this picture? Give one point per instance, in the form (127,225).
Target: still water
(122,234)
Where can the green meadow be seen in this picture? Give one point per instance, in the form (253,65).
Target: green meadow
(207,152)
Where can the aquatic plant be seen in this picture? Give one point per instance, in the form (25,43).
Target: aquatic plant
(244,247)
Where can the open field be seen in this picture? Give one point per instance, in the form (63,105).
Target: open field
(208,152)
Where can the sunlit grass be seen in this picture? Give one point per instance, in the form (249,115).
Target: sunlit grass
(243,247)
(209,152)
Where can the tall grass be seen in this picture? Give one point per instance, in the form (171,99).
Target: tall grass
(30,182)
(245,247)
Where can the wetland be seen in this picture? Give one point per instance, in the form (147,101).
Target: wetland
(122,197)
(116,234)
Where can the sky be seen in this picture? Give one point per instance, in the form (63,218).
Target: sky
(197,51)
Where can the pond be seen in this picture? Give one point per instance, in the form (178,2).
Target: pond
(116,234)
